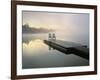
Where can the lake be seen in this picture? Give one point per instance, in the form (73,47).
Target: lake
(36,54)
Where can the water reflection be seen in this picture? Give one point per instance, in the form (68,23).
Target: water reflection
(33,46)
(36,54)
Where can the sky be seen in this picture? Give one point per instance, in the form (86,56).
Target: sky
(75,25)
(55,20)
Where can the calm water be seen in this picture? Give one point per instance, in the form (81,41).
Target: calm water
(36,54)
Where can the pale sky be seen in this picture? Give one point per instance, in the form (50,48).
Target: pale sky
(73,25)
(56,20)
(71,22)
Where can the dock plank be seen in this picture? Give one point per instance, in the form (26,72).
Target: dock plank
(69,47)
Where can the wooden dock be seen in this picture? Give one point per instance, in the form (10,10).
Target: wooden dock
(69,48)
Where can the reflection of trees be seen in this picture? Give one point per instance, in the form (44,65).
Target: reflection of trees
(27,40)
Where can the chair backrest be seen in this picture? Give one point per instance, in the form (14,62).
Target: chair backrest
(49,35)
(54,36)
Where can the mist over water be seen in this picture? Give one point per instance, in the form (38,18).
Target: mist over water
(72,27)
(36,54)
(77,38)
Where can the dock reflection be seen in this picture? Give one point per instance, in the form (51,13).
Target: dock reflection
(69,48)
